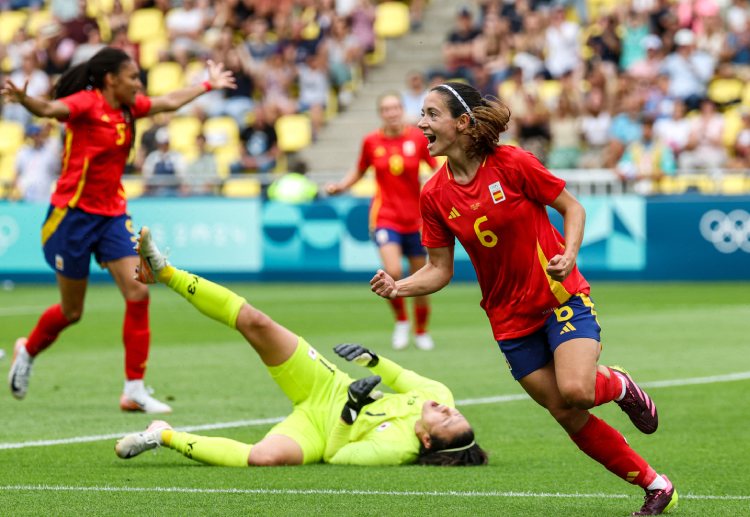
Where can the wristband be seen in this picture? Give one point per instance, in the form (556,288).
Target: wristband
(207,86)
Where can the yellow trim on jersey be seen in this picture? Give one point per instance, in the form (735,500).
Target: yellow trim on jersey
(52,222)
(68,148)
(81,182)
(556,287)
(377,202)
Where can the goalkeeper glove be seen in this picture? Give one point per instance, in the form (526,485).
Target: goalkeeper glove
(359,394)
(357,353)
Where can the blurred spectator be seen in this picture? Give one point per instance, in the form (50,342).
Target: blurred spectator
(565,132)
(625,129)
(658,103)
(163,169)
(634,31)
(603,40)
(345,56)
(276,78)
(646,161)
(259,41)
(562,46)
(459,49)
(689,69)
(495,47)
(412,97)
(595,131)
(648,67)
(38,86)
(363,24)
(674,130)
(741,146)
(91,46)
(530,45)
(185,26)
(533,126)
(201,174)
(37,164)
(312,77)
(705,148)
(148,138)
(258,144)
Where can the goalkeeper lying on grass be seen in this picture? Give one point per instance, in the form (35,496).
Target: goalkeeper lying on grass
(334,419)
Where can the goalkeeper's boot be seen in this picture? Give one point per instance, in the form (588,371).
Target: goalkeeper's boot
(136,397)
(132,445)
(637,404)
(20,369)
(152,260)
(400,337)
(424,341)
(657,502)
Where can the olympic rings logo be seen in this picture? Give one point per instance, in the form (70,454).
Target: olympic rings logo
(727,232)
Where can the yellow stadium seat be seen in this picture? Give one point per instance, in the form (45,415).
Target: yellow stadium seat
(378,55)
(734,184)
(294,132)
(225,157)
(182,134)
(12,136)
(133,186)
(732,127)
(145,24)
(95,8)
(241,187)
(10,23)
(549,91)
(391,19)
(150,51)
(366,187)
(506,89)
(38,19)
(725,90)
(221,132)
(164,78)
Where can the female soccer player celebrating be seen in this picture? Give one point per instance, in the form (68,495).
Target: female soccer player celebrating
(396,151)
(99,101)
(493,199)
(334,420)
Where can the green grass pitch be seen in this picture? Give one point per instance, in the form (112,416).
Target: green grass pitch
(683,341)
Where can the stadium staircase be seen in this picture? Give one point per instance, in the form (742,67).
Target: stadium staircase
(337,147)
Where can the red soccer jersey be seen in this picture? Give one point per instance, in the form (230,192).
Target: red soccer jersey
(501,220)
(97,145)
(396,162)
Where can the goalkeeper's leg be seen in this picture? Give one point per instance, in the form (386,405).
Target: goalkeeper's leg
(223,452)
(273,342)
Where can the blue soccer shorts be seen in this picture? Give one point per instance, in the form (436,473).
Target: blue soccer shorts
(574,319)
(411,243)
(70,236)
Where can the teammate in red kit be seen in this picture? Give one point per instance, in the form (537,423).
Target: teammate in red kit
(396,151)
(493,199)
(99,101)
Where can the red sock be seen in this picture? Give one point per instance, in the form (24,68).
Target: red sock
(421,317)
(50,324)
(607,389)
(136,336)
(399,308)
(607,446)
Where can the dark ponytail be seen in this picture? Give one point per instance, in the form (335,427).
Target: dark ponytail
(489,116)
(90,75)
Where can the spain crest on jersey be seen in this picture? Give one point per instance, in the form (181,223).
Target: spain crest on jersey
(496,191)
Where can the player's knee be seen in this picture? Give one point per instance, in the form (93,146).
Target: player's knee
(251,318)
(578,394)
(73,314)
(266,457)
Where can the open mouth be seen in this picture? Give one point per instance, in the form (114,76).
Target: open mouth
(431,138)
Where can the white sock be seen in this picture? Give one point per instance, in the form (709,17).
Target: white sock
(133,386)
(622,381)
(657,484)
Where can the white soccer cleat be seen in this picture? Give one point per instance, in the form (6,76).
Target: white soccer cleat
(424,341)
(152,260)
(137,397)
(20,369)
(132,445)
(400,337)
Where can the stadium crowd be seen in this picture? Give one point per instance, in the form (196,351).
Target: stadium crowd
(647,88)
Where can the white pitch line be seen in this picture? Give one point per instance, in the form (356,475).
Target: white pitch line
(730,377)
(338,491)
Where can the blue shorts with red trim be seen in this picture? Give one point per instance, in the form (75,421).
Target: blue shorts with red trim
(411,243)
(70,236)
(574,319)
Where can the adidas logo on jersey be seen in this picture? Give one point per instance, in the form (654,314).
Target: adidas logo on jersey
(567,328)
(453,213)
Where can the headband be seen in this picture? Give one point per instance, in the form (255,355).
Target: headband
(461,100)
(457,449)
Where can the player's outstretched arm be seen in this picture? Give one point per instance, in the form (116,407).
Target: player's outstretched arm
(432,277)
(37,106)
(218,79)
